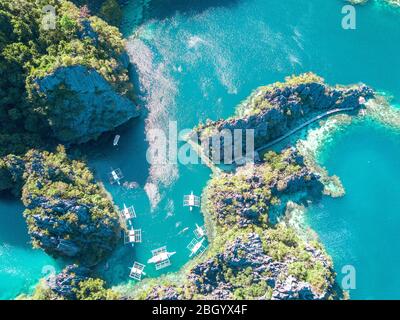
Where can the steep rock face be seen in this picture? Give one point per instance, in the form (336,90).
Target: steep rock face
(67,213)
(274,110)
(248,253)
(83,240)
(87,105)
(247,197)
(65,283)
(11,172)
(246,268)
(252,257)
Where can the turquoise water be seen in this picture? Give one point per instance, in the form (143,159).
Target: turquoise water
(194,62)
(20,266)
(362,228)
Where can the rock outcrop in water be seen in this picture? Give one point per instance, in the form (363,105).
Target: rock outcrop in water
(65,84)
(255,251)
(87,105)
(67,212)
(65,283)
(73,283)
(254,195)
(275,110)
(250,257)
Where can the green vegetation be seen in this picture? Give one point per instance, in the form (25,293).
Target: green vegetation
(94,289)
(259,101)
(256,102)
(42,292)
(249,256)
(250,194)
(88,289)
(68,213)
(29,52)
(64,203)
(283,243)
(109,10)
(280,242)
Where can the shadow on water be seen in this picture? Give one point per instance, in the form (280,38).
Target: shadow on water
(163,9)
(13,229)
(129,155)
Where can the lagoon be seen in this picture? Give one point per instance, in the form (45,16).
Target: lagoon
(194,62)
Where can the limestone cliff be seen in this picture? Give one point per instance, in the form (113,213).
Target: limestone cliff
(274,110)
(251,257)
(67,213)
(87,105)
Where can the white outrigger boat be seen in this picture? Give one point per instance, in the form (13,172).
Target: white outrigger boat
(116,176)
(196,247)
(137,271)
(128,213)
(191,201)
(161,258)
(199,232)
(133,236)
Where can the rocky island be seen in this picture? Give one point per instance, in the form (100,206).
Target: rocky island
(63,88)
(255,252)
(69,85)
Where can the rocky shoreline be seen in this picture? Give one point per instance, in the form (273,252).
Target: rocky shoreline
(255,253)
(64,85)
(274,110)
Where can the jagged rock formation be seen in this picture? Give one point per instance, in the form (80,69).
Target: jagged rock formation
(274,110)
(251,258)
(271,264)
(73,283)
(64,84)
(249,196)
(67,213)
(65,283)
(87,105)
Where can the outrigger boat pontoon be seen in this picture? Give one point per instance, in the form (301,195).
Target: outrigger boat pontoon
(137,271)
(196,247)
(116,176)
(191,201)
(128,212)
(161,258)
(199,232)
(133,236)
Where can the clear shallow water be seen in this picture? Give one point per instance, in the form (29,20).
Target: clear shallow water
(198,61)
(362,228)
